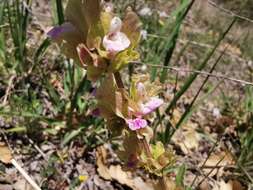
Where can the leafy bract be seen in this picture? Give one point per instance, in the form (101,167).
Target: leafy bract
(111,100)
(161,158)
(132,27)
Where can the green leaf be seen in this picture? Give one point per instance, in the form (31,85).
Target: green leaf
(70,136)
(157,150)
(172,40)
(60,13)
(180,176)
(122,59)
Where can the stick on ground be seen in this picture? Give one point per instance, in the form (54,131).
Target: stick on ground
(25,175)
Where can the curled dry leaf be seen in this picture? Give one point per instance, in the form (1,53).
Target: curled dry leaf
(166,183)
(5,154)
(101,163)
(187,136)
(230,185)
(115,172)
(222,185)
(218,159)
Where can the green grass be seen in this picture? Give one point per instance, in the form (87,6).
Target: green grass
(28,68)
(170,44)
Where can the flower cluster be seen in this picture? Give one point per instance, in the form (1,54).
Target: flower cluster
(103,44)
(97,39)
(132,107)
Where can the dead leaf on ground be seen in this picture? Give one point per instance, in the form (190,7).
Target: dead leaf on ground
(187,136)
(218,159)
(233,49)
(230,185)
(101,163)
(22,184)
(5,187)
(222,185)
(115,172)
(5,154)
(237,185)
(166,184)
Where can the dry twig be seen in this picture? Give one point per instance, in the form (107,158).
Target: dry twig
(25,175)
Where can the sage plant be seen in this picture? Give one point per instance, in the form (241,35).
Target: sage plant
(103,44)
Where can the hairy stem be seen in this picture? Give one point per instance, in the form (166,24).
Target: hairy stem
(146,147)
(118,80)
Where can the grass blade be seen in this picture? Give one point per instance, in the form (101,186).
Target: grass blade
(188,109)
(168,134)
(41,50)
(71,135)
(158,47)
(192,78)
(180,176)
(172,40)
(60,12)
(18,19)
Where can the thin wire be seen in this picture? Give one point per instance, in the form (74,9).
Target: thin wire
(229,11)
(198,44)
(217,75)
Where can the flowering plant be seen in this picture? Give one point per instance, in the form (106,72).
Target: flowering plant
(97,39)
(103,44)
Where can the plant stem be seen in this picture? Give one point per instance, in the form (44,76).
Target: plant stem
(118,80)
(146,147)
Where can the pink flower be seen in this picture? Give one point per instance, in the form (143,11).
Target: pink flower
(115,40)
(151,105)
(145,99)
(136,123)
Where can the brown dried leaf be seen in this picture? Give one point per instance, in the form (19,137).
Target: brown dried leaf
(187,137)
(115,172)
(101,163)
(166,184)
(131,27)
(126,178)
(237,185)
(111,101)
(230,185)
(218,159)
(5,154)
(121,176)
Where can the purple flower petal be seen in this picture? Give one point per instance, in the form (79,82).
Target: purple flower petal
(57,31)
(151,105)
(137,123)
(94,92)
(96,112)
